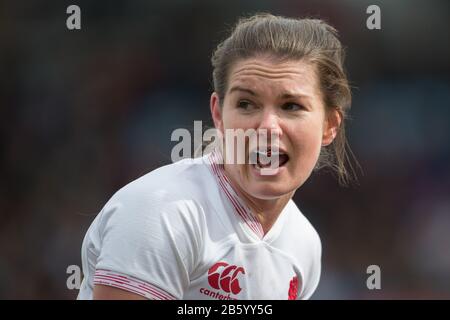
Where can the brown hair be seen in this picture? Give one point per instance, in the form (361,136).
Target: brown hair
(310,40)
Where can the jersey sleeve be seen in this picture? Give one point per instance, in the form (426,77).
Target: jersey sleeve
(148,246)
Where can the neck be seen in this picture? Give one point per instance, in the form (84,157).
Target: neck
(266,211)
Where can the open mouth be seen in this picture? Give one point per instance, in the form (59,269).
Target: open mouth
(268,159)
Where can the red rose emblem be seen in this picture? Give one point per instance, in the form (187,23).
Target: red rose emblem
(293,289)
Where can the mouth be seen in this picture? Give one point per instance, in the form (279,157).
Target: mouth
(260,159)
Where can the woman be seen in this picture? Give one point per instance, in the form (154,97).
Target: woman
(212,229)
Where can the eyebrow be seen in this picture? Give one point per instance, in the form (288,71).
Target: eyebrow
(285,95)
(237,88)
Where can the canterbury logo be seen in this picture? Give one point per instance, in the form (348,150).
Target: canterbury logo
(224,276)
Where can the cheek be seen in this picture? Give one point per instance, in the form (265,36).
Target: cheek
(232,120)
(306,139)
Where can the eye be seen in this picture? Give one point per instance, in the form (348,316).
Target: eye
(245,105)
(292,107)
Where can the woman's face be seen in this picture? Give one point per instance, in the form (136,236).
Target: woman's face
(280,98)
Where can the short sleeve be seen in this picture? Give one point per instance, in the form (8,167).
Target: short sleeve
(148,246)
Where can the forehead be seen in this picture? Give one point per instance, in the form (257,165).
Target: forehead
(269,74)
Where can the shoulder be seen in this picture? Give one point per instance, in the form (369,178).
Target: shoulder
(152,229)
(167,196)
(174,181)
(301,228)
(154,220)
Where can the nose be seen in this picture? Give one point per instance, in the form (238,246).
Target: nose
(269,125)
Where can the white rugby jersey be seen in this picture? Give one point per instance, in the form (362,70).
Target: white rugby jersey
(182,232)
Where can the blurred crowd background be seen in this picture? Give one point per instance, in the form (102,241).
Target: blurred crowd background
(84,112)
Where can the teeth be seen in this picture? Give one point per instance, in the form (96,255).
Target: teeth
(264,158)
(272,153)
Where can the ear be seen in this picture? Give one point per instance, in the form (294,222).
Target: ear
(216,111)
(333,120)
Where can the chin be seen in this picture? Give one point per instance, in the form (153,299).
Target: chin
(270,187)
(269,191)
